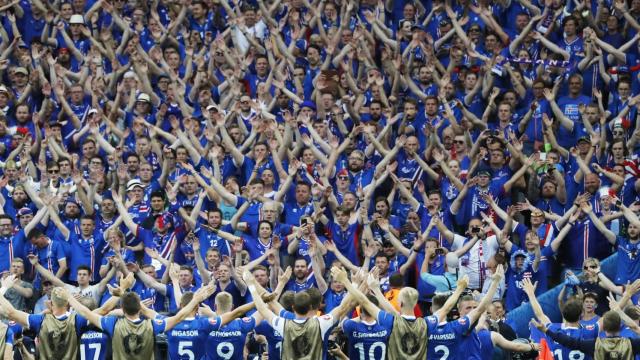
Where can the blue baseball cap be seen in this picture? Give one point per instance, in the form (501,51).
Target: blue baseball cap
(308,103)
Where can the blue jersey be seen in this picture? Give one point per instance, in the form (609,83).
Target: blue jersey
(628,260)
(345,240)
(85,251)
(445,338)
(209,239)
(187,340)
(486,344)
(11,247)
(227,342)
(94,344)
(470,347)
(561,352)
(367,341)
(274,339)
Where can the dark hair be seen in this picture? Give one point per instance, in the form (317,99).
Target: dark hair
(572,310)
(381,254)
(157,194)
(186,299)
(611,322)
(188,268)
(315,296)
(130,303)
(87,217)
(286,300)
(265,222)
(396,280)
(301,302)
(6,217)
(437,302)
(84,267)
(216,210)
(373,300)
(343,209)
(34,234)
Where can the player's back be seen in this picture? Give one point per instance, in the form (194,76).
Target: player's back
(186,340)
(445,338)
(562,353)
(228,341)
(366,341)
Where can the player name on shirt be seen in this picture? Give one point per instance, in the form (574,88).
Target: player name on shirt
(360,335)
(447,336)
(185,333)
(225,333)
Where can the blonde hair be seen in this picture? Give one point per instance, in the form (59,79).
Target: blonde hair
(57,300)
(408,297)
(224,302)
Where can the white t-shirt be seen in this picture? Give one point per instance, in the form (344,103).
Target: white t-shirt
(471,263)
(90,291)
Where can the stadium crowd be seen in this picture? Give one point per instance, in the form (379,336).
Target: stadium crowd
(319,179)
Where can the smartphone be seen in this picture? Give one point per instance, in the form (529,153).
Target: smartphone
(475,230)
(303,222)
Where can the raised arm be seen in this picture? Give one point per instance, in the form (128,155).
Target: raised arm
(475,314)
(530,290)
(611,237)
(94,318)
(6,308)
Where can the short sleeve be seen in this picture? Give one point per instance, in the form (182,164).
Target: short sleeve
(159,325)
(326,323)
(211,324)
(9,337)
(385,319)
(287,314)
(146,237)
(60,255)
(80,323)
(247,323)
(108,324)
(277,323)
(458,241)
(493,242)
(463,324)
(347,326)
(35,322)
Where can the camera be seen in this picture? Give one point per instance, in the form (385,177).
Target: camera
(439,251)
(475,230)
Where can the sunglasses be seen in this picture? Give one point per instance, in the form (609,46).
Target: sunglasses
(54,171)
(590,267)
(343,178)
(459,142)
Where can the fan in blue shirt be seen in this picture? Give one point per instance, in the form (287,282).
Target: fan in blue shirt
(539,258)
(628,248)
